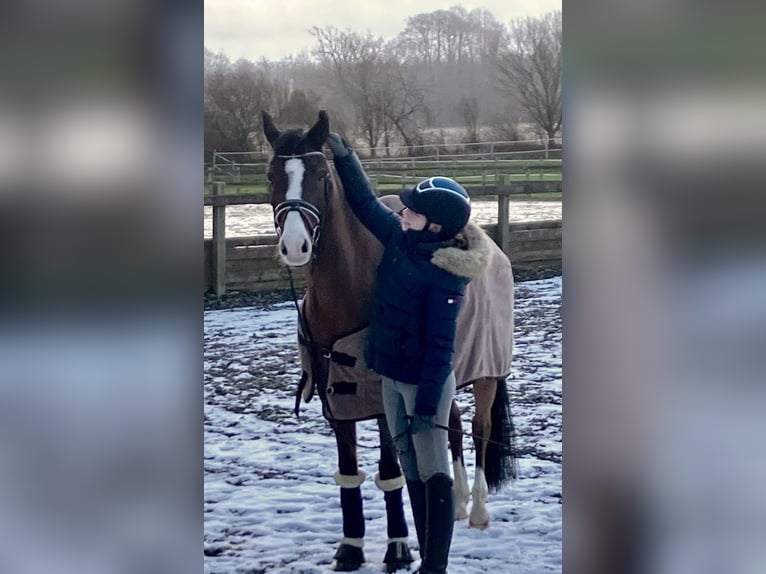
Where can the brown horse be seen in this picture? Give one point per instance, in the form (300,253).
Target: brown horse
(316,227)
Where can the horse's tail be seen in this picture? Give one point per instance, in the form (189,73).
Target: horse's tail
(500,465)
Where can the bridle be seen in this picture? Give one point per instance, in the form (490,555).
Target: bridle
(308,211)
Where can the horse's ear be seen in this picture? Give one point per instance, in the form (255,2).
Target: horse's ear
(319,133)
(269,129)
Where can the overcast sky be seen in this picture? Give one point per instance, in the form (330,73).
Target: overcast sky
(273,29)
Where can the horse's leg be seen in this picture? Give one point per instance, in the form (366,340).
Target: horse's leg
(391,481)
(484,394)
(349,555)
(460,484)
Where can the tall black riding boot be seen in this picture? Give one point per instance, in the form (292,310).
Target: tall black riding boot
(440,520)
(417,492)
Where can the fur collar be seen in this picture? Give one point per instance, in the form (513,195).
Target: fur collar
(470,263)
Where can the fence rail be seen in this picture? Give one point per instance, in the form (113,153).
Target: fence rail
(405,173)
(249,263)
(228,165)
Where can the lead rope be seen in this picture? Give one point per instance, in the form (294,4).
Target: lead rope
(312,347)
(325,401)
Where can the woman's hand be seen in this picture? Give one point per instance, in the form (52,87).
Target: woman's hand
(420,423)
(338,145)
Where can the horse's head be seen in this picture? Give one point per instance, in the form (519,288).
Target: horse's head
(299,186)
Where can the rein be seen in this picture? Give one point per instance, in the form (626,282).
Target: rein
(316,351)
(464,433)
(320,368)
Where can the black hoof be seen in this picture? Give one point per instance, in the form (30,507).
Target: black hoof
(348,558)
(397,557)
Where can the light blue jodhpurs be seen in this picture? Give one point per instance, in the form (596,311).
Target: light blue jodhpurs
(424,454)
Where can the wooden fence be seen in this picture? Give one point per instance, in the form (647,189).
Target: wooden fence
(251,264)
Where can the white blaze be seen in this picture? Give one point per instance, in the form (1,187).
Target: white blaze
(294,169)
(294,233)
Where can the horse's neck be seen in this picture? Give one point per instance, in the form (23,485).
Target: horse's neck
(341,279)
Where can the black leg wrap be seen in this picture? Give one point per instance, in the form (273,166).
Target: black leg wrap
(397,556)
(353,512)
(397,523)
(348,558)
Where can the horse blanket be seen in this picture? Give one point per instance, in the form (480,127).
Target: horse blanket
(483,345)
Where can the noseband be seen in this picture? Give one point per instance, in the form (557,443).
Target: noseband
(304,208)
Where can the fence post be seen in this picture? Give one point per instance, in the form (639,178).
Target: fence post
(503,217)
(219,241)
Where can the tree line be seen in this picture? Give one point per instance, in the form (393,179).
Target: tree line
(447,68)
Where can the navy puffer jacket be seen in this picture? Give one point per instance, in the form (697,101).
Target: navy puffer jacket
(412,329)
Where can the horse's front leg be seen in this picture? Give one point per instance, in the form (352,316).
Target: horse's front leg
(484,395)
(391,481)
(349,555)
(460,484)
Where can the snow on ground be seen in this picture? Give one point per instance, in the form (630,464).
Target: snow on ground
(270,501)
(258,219)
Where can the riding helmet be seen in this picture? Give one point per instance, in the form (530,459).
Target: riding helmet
(442,200)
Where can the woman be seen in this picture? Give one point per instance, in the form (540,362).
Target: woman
(412,335)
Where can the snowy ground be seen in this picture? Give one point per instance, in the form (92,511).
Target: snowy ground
(270,502)
(258,219)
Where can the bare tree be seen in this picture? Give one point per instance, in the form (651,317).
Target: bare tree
(452,53)
(451,36)
(356,63)
(234,97)
(436,37)
(386,100)
(385,93)
(418,40)
(529,70)
(215,135)
(487,34)
(403,102)
(468,108)
(506,126)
